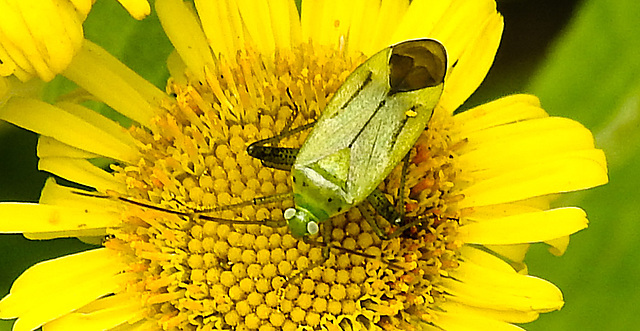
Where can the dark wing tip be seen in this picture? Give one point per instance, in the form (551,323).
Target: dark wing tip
(417,64)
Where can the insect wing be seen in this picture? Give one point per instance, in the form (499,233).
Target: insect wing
(416,77)
(347,112)
(376,116)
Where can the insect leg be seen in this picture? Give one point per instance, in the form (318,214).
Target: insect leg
(403,179)
(276,157)
(371,219)
(384,207)
(393,214)
(277,138)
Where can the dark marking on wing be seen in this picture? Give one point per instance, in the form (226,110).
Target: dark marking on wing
(364,84)
(380,105)
(396,133)
(415,65)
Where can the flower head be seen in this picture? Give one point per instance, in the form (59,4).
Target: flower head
(475,193)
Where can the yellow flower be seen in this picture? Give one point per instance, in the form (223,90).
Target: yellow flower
(479,183)
(40,37)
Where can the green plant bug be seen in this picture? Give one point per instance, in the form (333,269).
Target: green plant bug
(366,129)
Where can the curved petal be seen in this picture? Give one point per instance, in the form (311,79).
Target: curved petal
(115,84)
(509,109)
(481,287)
(138,9)
(186,35)
(102,314)
(460,318)
(41,294)
(564,173)
(82,172)
(72,130)
(525,228)
(38,38)
(31,217)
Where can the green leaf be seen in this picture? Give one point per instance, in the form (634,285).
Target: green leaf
(593,76)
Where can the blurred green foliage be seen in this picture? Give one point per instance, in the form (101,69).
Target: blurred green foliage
(593,76)
(588,71)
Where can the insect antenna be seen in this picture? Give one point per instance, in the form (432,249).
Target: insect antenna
(196,214)
(252,202)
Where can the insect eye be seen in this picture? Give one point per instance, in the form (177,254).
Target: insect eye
(312,227)
(417,64)
(289,213)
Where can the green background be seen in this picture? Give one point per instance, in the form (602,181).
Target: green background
(580,57)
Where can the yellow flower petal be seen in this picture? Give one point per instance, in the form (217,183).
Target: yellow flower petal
(461,318)
(8,67)
(121,88)
(138,9)
(31,217)
(380,33)
(472,64)
(564,173)
(525,142)
(49,147)
(72,130)
(39,37)
(461,23)
(512,253)
(420,19)
(257,19)
(4,88)
(497,211)
(286,23)
(558,245)
(81,171)
(222,24)
(64,198)
(525,228)
(354,20)
(314,15)
(182,28)
(103,314)
(509,109)
(42,293)
(501,290)
(82,6)
(510,316)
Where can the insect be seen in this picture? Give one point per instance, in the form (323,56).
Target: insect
(367,128)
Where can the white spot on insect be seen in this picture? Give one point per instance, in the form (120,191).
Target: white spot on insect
(312,227)
(289,213)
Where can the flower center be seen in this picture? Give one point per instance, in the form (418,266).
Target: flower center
(196,273)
